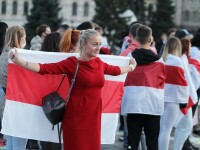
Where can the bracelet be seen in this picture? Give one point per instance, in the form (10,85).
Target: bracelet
(26,64)
(132,67)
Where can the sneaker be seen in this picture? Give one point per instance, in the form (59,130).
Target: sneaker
(194,140)
(32,145)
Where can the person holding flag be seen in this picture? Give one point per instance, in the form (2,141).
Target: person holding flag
(82,121)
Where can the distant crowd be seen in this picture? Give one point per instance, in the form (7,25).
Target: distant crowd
(161,94)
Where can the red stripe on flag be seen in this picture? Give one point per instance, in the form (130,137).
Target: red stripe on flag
(151,75)
(28,87)
(189,104)
(195,63)
(112,93)
(175,75)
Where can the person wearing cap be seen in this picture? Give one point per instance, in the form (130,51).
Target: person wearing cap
(182,130)
(183,34)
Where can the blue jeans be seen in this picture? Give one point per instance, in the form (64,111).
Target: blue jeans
(2,104)
(15,143)
(1,91)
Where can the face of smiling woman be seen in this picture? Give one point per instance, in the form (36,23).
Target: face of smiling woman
(92,47)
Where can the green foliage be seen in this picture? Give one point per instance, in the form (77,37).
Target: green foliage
(108,16)
(42,12)
(162,19)
(138,7)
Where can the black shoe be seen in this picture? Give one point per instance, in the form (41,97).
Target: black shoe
(32,145)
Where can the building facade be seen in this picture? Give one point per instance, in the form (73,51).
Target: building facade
(73,12)
(187,13)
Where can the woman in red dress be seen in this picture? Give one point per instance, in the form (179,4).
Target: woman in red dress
(82,121)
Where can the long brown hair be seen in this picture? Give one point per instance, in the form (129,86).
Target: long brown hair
(173,46)
(13,36)
(185,47)
(69,41)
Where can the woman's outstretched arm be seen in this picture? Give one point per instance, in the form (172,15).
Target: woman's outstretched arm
(14,56)
(130,67)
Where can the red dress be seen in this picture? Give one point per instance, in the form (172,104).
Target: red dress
(82,121)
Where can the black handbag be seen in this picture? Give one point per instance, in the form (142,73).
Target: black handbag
(53,104)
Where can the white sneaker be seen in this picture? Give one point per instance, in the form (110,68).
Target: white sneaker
(195,140)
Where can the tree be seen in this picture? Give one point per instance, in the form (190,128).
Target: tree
(109,16)
(138,7)
(42,12)
(162,18)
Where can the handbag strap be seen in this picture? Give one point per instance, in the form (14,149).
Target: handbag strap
(72,82)
(68,95)
(61,83)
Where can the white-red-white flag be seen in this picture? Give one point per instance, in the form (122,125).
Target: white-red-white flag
(194,61)
(144,90)
(23,114)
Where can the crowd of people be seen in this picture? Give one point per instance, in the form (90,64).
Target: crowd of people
(176,105)
(161,90)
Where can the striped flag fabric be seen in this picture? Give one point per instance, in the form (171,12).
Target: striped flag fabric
(23,114)
(195,66)
(192,91)
(194,61)
(144,89)
(176,85)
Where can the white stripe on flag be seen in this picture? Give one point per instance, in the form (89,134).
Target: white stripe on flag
(34,125)
(28,121)
(176,93)
(108,127)
(52,57)
(151,100)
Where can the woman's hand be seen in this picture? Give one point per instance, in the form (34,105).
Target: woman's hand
(130,67)
(14,55)
(133,63)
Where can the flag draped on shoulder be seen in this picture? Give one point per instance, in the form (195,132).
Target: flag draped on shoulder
(144,89)
(23,114)
(192,91)
(194,61)
(176,86)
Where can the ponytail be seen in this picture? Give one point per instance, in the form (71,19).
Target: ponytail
(69,40)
